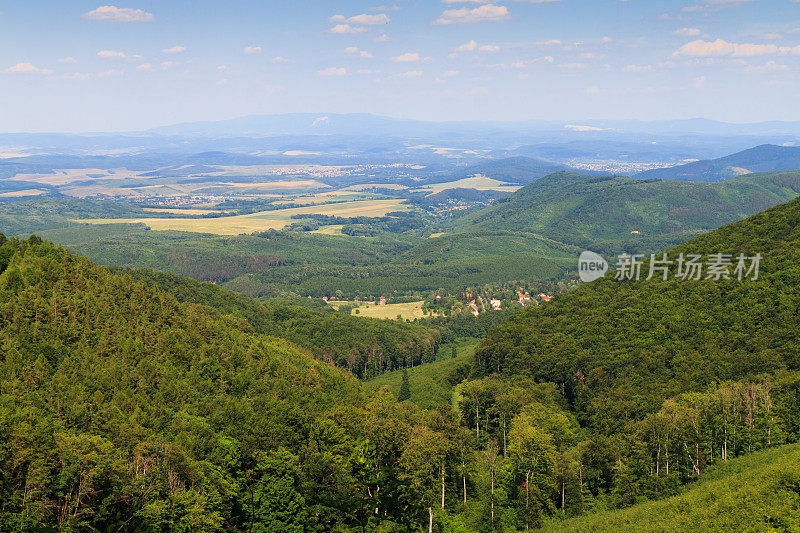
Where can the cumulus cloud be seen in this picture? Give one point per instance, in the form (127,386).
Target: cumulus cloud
(471,46)
(722,48)
(355,51)
(333,71)
(408,57)
(687,32)
(111,54)
(278,59)
(484,13)
(67,60)
(251,50)
(118,14)
(638,68)
(27,68)
(357,23)
(174,50)
(347,28)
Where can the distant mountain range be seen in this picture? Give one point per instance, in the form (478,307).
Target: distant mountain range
(764,158)
(368,124)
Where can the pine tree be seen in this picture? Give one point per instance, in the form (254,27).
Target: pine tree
(405,388)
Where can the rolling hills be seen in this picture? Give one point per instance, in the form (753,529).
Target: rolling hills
(764,158)
(612,212)
(621,348)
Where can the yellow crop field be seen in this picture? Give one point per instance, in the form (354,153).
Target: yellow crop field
(260,221)
(408,311)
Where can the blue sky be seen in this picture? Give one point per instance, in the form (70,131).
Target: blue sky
(85,66)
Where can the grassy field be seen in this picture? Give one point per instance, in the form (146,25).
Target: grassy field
(428,382)
(262,220)
(758,492)
(407,311)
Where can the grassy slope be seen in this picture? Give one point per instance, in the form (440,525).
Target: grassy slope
(759,492)
(428,382)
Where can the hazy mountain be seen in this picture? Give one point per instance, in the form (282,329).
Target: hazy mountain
(764,158)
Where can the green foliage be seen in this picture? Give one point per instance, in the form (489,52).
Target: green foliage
(405,388)
(430,384)
(759,492)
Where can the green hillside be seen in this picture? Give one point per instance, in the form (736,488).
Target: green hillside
(601,213)
(125,409)
(760,492)
(365,347)
(432,384)
(638,343)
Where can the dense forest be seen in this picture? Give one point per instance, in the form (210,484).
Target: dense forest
(138,401)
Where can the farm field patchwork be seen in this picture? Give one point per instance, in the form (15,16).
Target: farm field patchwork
(261,221)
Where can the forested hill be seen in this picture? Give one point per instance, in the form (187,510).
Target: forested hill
(364,346)
(621,347)
(612,213)
(122,409)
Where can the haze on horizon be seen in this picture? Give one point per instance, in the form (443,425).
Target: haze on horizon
(78,66)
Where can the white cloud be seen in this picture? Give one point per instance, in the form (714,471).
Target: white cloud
(332,71)
(722,48)
(450,73)
(408,57)
(251,50)
(637,68)
(347,28)
(383,38)
(27,68)
(687,32)
(466,47)
(411,74)
(118,14)
(174,50)
(769,66)
(369,20)
(144,66)
(357,23)
(472,45)
(67,60)
(355,51)
(479,91)
(168,64)
(484,13)
(111,54)
(222,67)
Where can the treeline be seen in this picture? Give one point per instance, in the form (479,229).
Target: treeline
(548,466)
